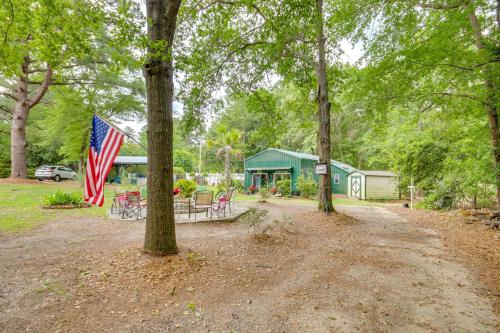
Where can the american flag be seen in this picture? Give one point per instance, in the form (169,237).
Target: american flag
(105,143)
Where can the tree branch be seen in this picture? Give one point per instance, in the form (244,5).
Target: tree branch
(5,109)
(457,66)
(7,94)
(451,5)
(42,89)
(474,98)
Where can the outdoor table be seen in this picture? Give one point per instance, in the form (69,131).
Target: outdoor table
(179,203)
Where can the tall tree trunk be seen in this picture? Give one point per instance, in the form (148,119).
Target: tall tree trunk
(22,107)
(325,182)
(18,142)
(81,161)
(158,73)
(491,101)
(227,166)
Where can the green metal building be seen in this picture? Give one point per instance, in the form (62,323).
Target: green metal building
(272,165)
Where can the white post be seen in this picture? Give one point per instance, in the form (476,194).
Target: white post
(412,188)
(199,164)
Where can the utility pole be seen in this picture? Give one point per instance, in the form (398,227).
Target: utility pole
(199,164)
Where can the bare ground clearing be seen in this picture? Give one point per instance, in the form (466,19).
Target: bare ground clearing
(383,273)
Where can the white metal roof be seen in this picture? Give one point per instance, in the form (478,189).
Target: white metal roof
(380,173)
(137,160)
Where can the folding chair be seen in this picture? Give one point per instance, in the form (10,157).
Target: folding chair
(115,205)
(134,205)
(219,207)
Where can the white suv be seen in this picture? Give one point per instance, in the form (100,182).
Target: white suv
(55,172)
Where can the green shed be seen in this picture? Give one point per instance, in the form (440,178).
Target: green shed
(272,165)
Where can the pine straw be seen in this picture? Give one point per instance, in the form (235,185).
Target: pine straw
(335,218)
(470,241)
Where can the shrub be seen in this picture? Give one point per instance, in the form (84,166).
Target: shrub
(179,171)
(252,189)
(284,187)
(187,187)
(237,184)
(306,186)
(61,198)
(273,190)
(264,194)
(254,217)
(220,189)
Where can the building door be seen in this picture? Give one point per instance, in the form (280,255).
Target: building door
(260,180)
(356,187)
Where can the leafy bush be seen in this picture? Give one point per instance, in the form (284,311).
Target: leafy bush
(306,186)
(179,171)
(284,187)
(187,187)
(264,193)
(237,184)
(220,189)
(61,198)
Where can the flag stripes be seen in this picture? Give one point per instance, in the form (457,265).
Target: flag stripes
(105,143)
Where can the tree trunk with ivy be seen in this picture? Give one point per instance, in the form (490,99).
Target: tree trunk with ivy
(325,182)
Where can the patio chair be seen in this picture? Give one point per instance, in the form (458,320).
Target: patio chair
(219,207)
(201,200)
(134,205)
(230,197)
(115,205)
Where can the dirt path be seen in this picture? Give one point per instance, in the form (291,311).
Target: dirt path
(381,274)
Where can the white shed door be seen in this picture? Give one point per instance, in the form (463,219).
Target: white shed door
(356,186)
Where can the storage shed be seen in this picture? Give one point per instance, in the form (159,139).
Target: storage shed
(371,184)
(272,165)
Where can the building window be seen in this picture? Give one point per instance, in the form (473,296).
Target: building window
(336,178)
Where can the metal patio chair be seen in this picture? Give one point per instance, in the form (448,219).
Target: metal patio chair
(117,200)
(134,205)
(230,197)
(201,200)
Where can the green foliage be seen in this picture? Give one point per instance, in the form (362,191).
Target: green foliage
(254,217)
(263,193)
(221,188)
(284,187)
(306,186)
(60,198)
(179,171)
(237,185)
(183,159)
(187,187)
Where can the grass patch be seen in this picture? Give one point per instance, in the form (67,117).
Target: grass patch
(20,205)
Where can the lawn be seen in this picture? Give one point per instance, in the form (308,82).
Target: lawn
(20,203)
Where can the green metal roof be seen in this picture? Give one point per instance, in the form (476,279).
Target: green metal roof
(269,168)
(305,156)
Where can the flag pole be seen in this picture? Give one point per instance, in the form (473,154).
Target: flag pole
(117,128)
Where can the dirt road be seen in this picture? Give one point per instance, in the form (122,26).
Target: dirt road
(381,274)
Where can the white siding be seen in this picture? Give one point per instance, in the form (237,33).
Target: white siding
(378,187)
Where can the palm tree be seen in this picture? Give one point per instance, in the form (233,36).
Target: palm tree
(226,141)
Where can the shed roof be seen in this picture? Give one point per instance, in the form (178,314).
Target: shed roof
(135,160)
(305,156)
(380,173)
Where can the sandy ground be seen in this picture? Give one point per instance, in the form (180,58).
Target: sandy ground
(384,272)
